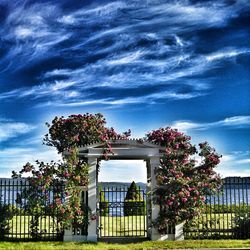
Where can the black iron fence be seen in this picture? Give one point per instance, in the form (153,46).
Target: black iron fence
(122,214)
(226,215)
(21,219)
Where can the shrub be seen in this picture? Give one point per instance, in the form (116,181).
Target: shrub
(133,203)
(104,204)
(182,182)
(232,208)
(242,226)
(5,216)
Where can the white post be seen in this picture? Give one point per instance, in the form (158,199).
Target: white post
(155,235)
(149,200)
(154,163)
(179,235)
(92,199)
(70,233)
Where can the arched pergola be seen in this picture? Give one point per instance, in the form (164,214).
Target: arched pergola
(123,150)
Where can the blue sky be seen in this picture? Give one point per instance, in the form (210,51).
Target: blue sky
(143,64)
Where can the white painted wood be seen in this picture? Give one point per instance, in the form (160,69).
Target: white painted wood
(154,165)
(179,235)
(125,150)
(92,198)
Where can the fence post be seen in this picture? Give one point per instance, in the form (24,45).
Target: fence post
(154,163)
(179,235)
(70,233)
(92,199)
(175,233)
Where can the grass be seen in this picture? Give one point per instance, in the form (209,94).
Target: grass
(20,225)
(123,226)
(150,245)
(211,225)
(110,226)
(204,226)
(214,221)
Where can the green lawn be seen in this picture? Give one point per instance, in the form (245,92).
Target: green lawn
(109,226)
(150,245)
(123,226)
(19,226)
(208,225)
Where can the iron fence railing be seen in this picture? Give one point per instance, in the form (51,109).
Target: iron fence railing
(122,215)
(21,219)
(226,215)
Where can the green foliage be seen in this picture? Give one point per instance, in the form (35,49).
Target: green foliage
(134,207)
(146,245)
(34,227)
(79,130)
(104,208)
(66,135)
(60,179)
(242,226)
(223,209)
(6,214)
(133,193)
(133,203)
(182,183)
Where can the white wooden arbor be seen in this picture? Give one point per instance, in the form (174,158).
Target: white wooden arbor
(123,150)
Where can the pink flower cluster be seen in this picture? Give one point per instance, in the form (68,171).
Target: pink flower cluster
(186,183)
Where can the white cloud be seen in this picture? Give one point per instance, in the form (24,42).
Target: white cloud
(235,121)
(145,72)
(125,59)
(123,170)
(244,161)
(125,64)
(12,129)
(14,158)
(31,34)
(151,98)
(106,10)
(225,54)
(56,88)
(235,164)
(226,171)
(227,158)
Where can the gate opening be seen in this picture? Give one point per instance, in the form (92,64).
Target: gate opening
(122,201)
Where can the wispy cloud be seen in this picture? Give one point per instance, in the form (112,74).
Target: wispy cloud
(134,69)
(120,45)
(233,170)
(32,32)
(57,88)
(83,79)
(13,158)
(225,54)
(235,164)
(12,129)
(235,121)
(148,99)
(112,54)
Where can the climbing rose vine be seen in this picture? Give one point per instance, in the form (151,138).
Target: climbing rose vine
(66,135)
(182,183)
(61,179)
(79,130)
